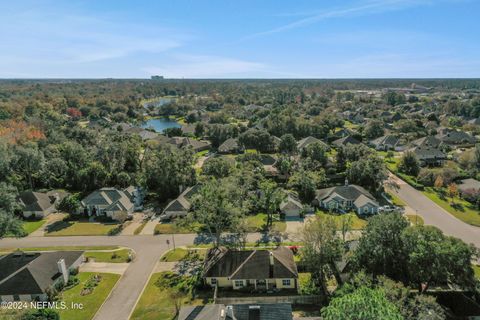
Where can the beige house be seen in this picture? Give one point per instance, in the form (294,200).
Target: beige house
(261,270)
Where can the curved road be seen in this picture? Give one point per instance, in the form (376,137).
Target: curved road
(433,214)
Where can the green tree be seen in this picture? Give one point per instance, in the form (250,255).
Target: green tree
(321,249)
(374,129)
(369,172)
(409,164)
(9,224)
(381,250)
(270,198)
(362,304)
(306,183)
(69,204)
(217,167)
(316,152)
(217,207)
(288,144)
(41,314)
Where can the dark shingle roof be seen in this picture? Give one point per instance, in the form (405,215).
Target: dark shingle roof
(277,311)
(346,140)
(32,273)
(250,264)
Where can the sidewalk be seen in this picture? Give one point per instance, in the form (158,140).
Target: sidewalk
(52,218)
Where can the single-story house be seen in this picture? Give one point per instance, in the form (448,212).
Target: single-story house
(186,142)
(274,311)
(28,276)
(429,141)
(263,270)
(230,146)
(291,206)
(107,201)
(346,198)
(429,156)
(456,138)
(305,142)
(181,205)
(39,204)
(345,140)
(387,142)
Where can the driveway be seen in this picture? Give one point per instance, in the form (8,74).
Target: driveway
(433,214)
(118,268)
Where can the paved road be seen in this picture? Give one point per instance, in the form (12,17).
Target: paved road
(435,215)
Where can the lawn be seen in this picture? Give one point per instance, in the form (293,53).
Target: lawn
(91,302)
(116,256)
(31,226)
(476,269)
(59,248)
(464,210)
(180,254)
(415,219)
(156,303)
(395,199)
(258,223)
(76,228)
(357,223)
(169,228)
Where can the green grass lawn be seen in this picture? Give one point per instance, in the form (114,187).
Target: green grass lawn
(116,256)
(91,302)
(415,219)
(258,223)
(156,303)
(201,153)
(464,212)
(76,228)
(59,248)
(357,223)
(140,228)
(169,228)
(395,199)
(31,226)
(180,254)
(476,269)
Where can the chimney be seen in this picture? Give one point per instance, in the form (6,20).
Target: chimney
(271,258)
(271,265)
(62,268)
(229,311)
(346,182)
(253,312)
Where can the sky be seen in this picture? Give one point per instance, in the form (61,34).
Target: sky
(240,39)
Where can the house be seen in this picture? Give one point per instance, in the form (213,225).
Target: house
(181,205)
(230,146)
(274,311)
(456,138)
(387,142)
(429,156)
(346,198)
(39,204)
(429,141)
(28,276)
(291,206)
(263,270)
(345,140)
(186,142)
(305,142)
(468,185)
(107,201)
(342,133)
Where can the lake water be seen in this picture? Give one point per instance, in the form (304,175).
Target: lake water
(161,124)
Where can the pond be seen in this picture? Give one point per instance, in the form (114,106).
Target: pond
(160,124)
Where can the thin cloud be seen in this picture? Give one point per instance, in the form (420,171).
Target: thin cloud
(365,8)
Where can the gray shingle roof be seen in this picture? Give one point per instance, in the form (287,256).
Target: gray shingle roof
(308,141)
(32,273)
(346,140)
(250,264)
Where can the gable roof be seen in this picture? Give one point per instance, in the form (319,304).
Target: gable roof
(262,311)
(349,192)
(229,145)
(33,272)
(112,198)
(346,140)
(305,142)
(290,203)
(182,202)
(250,264)
(385,140)
(429,141)
(428,153)
(456,137)
(469,184)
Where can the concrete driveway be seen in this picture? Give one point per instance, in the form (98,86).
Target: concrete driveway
(118,268)
(433,214)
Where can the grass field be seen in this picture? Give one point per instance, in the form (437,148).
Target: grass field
(476,269)
(76,228)
(464,211)
(59,248)
(91,302)
(395,199)
(116,256)
(258,222)
(415,219)
(31,226)
(169,228)
(180,254)
(156,303)
(357,223)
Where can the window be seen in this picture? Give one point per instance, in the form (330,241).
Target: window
(238,283)
(213,281)
(286,282)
